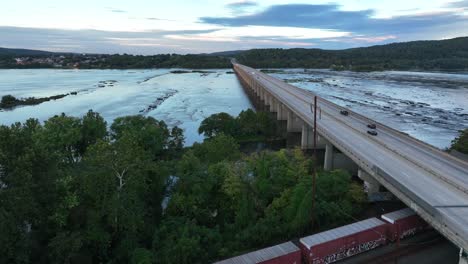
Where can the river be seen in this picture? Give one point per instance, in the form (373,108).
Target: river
(428,106)
(183,99)
(432,107)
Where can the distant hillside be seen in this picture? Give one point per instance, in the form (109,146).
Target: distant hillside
(444,55)
(226,53)
(23,52)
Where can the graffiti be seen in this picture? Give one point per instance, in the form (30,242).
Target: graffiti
(349,251)
(409,232)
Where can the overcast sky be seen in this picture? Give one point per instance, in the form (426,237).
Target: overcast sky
(202,26)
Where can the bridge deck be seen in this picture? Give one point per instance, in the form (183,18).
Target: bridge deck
(430,181)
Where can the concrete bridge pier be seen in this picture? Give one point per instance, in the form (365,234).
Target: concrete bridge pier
(267,99)
(294,123)
(373,188)
(273,104)
(261,94)
(281,112)
(255,88)
(328,160)
(307,137)
(463,257)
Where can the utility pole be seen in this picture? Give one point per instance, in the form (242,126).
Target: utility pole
(315,160)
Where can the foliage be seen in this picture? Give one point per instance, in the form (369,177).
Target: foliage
(73,191)
(248,125)
(9,101)
(218,123)
(445,55)
(150,134)
(115,61)
(460,143)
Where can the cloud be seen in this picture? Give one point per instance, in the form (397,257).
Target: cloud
(458,4)
(330,16)
(96,41)
(241,4)
(262,32)
(118,11)
(293,15)
(287,26)
(159,19)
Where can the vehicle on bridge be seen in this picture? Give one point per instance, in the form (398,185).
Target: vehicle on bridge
(372,126)
(344,112)
(372,132)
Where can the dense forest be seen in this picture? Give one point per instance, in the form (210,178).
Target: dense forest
(75,190)
(442,55)
(435,55)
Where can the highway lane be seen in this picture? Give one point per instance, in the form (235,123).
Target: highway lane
(439,163)
(448,204)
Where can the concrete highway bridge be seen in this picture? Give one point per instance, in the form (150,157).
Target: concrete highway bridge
(430,181)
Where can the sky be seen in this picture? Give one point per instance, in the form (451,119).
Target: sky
(204,26)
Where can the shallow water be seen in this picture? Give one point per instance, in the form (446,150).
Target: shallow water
(428,106)
(432,107)
(178,99)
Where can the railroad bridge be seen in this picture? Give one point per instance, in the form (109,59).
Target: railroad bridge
(428,180)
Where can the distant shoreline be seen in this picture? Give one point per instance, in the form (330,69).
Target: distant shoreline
(463,72)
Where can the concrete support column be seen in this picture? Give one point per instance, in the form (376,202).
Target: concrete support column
(307,138)
(294,123)
(267,99)
(328,162)
(273,104)
(372,188)
(282,112)
(463,257)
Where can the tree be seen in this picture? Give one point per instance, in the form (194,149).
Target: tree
(61,136)
(28,194)
(116,192)
(179,240)
(460,143)
(254,124)
(249,125)
(150,134)
(93,128)
(248,121)
(221,147)
(8,101)
(217,124)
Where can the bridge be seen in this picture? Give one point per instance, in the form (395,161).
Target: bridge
(428,180)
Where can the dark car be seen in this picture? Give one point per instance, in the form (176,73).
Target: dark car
(372,132)
(372,126)
(344,112)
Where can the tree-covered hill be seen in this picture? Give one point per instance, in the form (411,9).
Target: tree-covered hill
(434,55)
(23,52)
(444,55)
